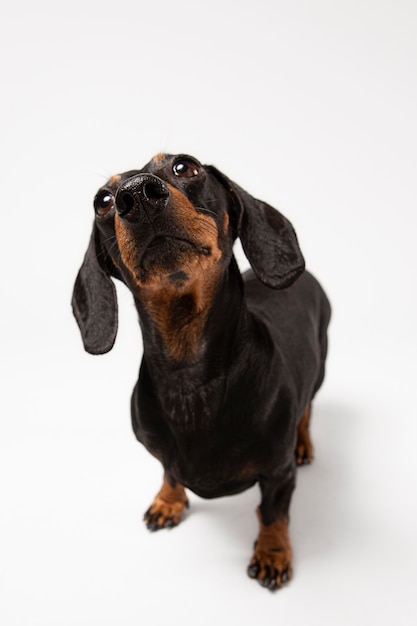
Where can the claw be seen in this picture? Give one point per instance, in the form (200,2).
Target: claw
(267,577)
(153,525)
(169,523)
(303,460)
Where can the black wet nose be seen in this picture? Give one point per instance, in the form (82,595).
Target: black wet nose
(142,195)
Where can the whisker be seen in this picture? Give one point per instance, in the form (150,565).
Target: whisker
(106,252)
(207,211)
(109,238)
(211,201)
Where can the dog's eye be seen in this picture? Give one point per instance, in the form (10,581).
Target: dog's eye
(103,202)
(185,168)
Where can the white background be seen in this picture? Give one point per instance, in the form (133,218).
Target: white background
(310,106)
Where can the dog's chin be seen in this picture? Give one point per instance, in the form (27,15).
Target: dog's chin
(168,256)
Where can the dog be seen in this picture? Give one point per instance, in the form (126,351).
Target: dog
(231,362)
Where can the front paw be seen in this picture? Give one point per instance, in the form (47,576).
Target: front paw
(271,569)
(271,561)
(162,514)
(167,508)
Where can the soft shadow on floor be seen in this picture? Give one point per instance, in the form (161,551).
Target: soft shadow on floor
(320,504)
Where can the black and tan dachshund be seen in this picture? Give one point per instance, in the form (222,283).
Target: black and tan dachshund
(231,363)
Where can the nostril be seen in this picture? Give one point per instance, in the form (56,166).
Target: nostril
(140,196)
(125,203)
(154,190)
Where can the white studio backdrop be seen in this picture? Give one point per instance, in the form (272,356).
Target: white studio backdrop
(310,106)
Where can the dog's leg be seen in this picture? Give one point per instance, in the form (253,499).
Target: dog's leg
(304,448)
(167,508)
(272,557)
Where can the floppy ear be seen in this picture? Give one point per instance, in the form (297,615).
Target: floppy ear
(94,301)
(268,238)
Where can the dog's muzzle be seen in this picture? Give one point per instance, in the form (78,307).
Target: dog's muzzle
(143,196)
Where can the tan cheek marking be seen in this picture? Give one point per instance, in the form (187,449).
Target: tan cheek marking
(183,207)
(201,228)
(127,245)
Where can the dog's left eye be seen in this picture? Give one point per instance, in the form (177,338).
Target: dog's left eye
(103,202)
(185,168)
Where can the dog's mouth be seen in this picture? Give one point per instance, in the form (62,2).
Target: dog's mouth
(168,253)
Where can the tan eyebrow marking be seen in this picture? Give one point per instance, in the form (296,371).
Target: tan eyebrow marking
(113,180)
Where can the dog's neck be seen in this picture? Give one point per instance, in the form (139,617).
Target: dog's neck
(193,328)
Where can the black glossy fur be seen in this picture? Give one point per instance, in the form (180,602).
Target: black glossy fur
(230,363)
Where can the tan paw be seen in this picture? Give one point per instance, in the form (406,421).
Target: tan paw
(167,508)
(271,561)
(270,571)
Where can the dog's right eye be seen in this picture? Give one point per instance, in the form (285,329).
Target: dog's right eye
(103,203)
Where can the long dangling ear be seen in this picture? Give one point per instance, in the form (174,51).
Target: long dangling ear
(268,238)
(94,301)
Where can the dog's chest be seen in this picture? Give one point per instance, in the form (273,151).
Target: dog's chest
(210,452)
(209,438)
(214,455)
(213,464)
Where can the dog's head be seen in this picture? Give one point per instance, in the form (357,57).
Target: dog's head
(169,229)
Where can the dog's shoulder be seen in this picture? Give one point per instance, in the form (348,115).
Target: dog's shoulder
(305,293)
